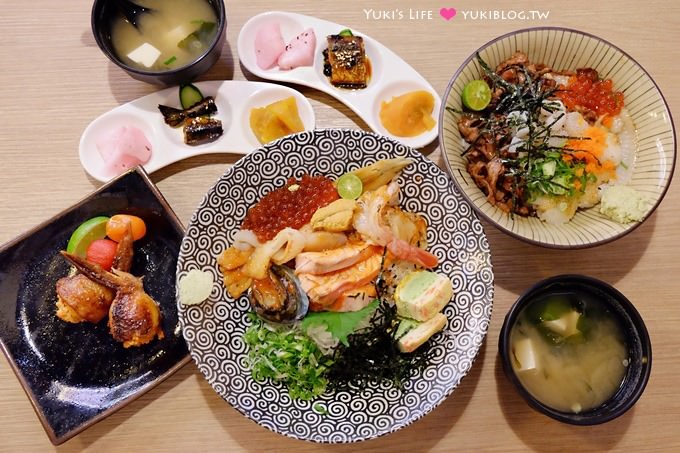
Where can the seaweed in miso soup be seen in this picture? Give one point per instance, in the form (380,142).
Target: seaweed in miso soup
(569,351)
(172,35)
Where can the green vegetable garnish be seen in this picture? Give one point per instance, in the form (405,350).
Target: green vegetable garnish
(170,60)
(320,409)
(346,32)
(548,309)
(189,95)
(198,38)
(338,324)
(286,355)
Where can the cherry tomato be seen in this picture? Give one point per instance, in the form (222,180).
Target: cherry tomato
(102,252)
(115,227)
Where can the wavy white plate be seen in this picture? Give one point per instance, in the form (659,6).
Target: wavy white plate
(391,76)
(234,99)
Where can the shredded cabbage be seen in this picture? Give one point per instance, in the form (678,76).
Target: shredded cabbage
(325,340)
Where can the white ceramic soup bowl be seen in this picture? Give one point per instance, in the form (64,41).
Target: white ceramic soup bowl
(565,49)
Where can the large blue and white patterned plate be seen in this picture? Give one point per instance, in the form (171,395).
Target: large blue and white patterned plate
(213,329)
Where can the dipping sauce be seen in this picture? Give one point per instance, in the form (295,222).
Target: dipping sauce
(569,352)
(173,35)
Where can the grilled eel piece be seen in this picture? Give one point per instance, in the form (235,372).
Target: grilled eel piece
(80,299)
(175,117)
(201,130)
(134,317)
(347,61)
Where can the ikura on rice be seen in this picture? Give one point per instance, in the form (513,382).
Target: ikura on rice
(549,142)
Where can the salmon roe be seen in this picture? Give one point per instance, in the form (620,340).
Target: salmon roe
(585,90)
(289,206)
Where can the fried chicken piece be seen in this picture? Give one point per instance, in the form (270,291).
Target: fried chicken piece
(134,317)
(80,299)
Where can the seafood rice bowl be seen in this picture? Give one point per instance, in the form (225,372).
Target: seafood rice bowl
(557,137)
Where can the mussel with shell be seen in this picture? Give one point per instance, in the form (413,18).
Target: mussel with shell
(278,297)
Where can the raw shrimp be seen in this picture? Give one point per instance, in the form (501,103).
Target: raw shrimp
(369,222)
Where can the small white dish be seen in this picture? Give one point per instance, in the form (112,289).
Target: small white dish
(234,101)
(391,76)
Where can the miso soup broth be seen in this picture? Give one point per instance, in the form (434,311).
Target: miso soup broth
(173,35)
(569,352)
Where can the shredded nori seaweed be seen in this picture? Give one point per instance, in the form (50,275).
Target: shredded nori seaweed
(373,356)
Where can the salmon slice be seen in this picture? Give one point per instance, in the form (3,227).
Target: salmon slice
(354,300)
(334,259)
(323,290)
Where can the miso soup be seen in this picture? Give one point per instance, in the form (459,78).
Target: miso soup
(173,35)
(569,351)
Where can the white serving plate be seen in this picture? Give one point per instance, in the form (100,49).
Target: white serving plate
(391,76)
(234,101)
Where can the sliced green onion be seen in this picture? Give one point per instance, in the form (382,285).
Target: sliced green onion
(285,355)
(170,60)
(320,409)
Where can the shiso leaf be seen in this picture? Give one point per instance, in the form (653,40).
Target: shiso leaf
(340,325)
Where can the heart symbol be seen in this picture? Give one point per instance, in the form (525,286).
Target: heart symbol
(447,13)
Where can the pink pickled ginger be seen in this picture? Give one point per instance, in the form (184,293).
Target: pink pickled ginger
(268,45)
(299,51)
(124,148)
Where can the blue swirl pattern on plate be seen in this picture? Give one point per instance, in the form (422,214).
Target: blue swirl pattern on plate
(214,329)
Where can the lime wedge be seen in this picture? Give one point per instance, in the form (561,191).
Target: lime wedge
(349,186)
(88,231)
(476,95)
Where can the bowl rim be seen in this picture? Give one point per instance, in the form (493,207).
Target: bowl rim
(637,323)
(111,55)
(631,227)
